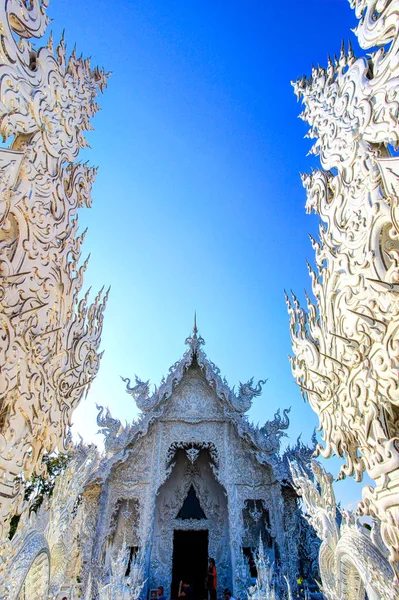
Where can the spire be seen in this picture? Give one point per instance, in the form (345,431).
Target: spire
(195,340)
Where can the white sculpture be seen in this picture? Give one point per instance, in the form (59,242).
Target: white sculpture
(49,339)
(270,583)
(346,352)
(121,586)
(264,588)
(352,559)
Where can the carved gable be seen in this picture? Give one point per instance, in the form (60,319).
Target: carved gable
(193,399)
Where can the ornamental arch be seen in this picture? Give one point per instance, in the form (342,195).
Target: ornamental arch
(191,522)
(352,585)
(30,572)
(357,563)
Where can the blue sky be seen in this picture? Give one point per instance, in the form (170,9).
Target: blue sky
(198,203)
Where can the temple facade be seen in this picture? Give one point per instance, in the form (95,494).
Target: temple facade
(192,479)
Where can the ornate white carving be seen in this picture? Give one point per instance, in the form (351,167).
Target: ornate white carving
(264,588)
(192,454)
(270,584)
(55,532)
(49,339)
(256,512)
(240,402)
(120,586)
(131,497)
(352,559)
(192,451)
(346,352)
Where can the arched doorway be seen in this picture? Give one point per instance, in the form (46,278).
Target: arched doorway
(190,524)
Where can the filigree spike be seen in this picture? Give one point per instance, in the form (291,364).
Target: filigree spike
(350,328)
(50,330)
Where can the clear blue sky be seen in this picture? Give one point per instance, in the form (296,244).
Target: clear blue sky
(198,202)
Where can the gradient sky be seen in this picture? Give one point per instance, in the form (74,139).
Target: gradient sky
(198,203)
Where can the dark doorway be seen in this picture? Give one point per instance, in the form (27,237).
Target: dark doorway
(190,561)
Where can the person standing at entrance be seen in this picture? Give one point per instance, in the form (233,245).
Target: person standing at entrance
(186,590)
(212,579)
(227,595)
(160,593)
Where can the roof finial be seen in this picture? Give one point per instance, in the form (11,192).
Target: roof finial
(194,340)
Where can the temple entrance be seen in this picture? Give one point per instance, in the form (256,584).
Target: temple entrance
(190,524)
(190,561)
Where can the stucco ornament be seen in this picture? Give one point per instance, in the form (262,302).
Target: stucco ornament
(264,588)
(346,355)
(352,559)
(120,586)
(240,402)
(270,584)
(49,337)
(45,550)
(266,438)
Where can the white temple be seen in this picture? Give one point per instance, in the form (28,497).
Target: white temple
(192,479)
(189,480)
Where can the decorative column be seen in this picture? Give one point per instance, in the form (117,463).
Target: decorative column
(90,511)
(234,515)
(148,510)
(291,534)
(277,524)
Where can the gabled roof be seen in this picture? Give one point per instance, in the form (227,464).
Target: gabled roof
(264,442)
(238,403)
